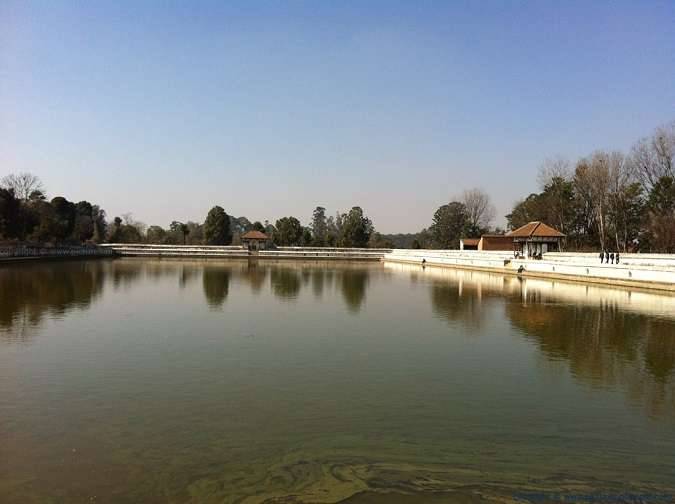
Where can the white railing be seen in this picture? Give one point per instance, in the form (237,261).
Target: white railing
(154,250)
(161,246)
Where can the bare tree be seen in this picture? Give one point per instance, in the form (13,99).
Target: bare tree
(128,220)
(479,209)
(592,182)
(23,184)
(653,158)
(621,176)
(557,167)
(555,181)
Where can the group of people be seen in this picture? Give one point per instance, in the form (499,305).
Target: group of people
(609,257)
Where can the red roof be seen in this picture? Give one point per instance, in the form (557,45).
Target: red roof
(470,241)
(254,235)
(535,228)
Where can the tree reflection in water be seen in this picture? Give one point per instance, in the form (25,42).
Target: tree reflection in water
(285,282)
(353,284)
(609,337)
(604,346)
(124,273)
(30,292)
(188,273)
(216,283)
(461,303)
(318,282)
(255,275)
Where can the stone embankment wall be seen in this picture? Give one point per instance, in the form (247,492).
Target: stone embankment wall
(238,252)
(12,253)
(637,270)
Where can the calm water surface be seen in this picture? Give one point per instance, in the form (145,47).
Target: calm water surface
(178,381)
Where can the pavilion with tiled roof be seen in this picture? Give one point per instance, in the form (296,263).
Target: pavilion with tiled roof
(255,240)
(536,238)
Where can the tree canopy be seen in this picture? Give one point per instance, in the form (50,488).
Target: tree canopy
(355,228)
(609,200)
(319,227)
(449,225)
(30,217)
(217,227)
(288,232)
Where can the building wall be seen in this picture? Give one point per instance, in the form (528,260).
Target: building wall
(469,244)
(503,243)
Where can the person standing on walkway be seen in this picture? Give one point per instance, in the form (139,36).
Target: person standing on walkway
(606,257)
(611,257)
(602,256)
(617,258)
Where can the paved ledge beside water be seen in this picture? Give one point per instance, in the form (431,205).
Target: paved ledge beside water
(654,271)
(238,252)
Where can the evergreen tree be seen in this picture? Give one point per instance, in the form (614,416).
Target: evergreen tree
(319,227)
(355,228)
(217,227)
(449,225)
(288,232)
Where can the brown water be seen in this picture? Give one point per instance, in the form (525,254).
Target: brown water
(183,381)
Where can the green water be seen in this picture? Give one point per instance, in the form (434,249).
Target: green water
(183,381)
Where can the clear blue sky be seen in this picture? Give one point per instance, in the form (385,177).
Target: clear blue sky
(270,108)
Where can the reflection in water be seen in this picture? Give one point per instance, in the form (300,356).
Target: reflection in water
(318,282)
(125,273)
(256,274)
(188,273)
(152,395)
(604,346)
(322,280)
(354,284)
(216,282)
(660,349)
(459,302)
(29,292)
(285,282)
(609,337)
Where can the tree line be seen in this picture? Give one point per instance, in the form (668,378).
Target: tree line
(349,229)
(26,215)
(609,200)
(606,200)
(469,215)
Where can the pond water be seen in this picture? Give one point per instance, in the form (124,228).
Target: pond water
(185,381)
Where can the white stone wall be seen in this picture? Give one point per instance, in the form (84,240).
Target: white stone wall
(649,269)
(215,251)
